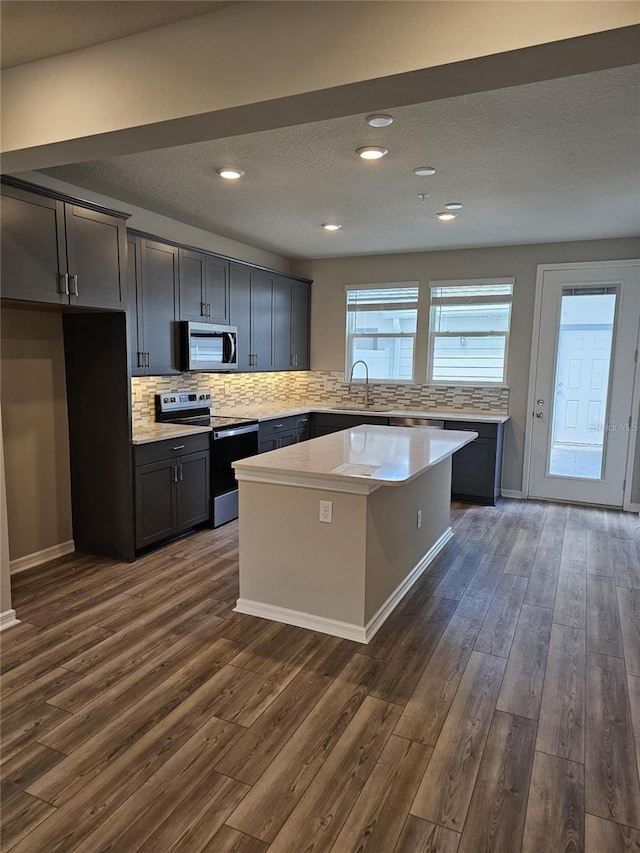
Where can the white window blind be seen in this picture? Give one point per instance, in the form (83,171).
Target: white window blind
(381,330)
(469,332)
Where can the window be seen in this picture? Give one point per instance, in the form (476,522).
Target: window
(381,330)
(469,331)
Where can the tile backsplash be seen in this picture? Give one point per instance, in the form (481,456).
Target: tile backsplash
(314,387)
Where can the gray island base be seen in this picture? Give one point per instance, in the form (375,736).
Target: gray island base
(386,491)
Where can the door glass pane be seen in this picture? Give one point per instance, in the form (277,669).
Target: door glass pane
(580,397)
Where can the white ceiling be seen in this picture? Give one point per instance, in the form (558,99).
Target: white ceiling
(36,29)
(545,162)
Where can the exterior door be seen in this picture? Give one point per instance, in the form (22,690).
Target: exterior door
(586,361)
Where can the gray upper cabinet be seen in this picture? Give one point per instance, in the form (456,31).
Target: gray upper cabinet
(262,297)
(204,287)
(240,312)
(193,295)
(62,253)
(291,324)
(301,293)
(96,258)
(156,303)
(282,321)
(252,293)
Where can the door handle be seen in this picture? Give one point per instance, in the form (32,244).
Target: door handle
(64,282)
(539,414)
(74,280)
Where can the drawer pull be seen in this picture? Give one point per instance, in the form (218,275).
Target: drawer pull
(179,447)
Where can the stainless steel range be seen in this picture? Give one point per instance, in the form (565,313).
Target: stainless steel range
(231,439)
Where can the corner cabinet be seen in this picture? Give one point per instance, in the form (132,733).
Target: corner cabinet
(62,253)
(153,266)
(171,488)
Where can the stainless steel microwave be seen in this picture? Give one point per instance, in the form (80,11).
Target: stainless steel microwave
(208,347)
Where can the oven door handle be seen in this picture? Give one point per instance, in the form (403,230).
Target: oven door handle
(230,433)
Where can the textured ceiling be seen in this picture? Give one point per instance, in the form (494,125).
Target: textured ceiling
(545,162)
(36,29)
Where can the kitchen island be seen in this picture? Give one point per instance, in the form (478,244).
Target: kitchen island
(384,495)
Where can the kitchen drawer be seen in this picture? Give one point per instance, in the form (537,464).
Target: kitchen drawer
(144,454)
(484,430)
(276,426)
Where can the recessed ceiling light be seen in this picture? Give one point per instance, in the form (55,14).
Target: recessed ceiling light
(230,174)
(453,205)
(331,226)
(443,216)
(424,171)
(372,152)
(379,120)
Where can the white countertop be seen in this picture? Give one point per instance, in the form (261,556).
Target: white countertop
(268,411)
(157,432)
(357,460)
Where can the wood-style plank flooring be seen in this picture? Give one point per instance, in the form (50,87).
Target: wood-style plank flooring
(498,709)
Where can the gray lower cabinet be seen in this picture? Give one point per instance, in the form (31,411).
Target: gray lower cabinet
(476,469)
(276,433)
(172,493)
(324,423)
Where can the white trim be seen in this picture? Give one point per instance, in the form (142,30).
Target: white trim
(8,619)
(346,630)
(633,438)
(29,561)
(469,282)
(533,362)
(633,508)
(512,493)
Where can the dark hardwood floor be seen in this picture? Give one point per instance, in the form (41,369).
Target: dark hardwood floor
(498,709)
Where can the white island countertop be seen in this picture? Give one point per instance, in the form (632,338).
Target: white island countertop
(358,460)
(268,411)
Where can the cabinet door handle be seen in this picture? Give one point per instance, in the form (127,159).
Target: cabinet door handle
(180,472)
(203,309)
(175,473)
(74,289)
(208,309)
(146,360)
(140,364)
(64,283)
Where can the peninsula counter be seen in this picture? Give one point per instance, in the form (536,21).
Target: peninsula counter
(389,494)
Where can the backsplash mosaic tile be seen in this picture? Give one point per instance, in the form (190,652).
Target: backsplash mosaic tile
(314,387)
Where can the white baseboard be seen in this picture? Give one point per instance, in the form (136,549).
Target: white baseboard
(39,557)
(346,630)
(512,493)
(633,508)
(8,619)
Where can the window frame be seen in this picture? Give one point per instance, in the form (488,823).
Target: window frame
(349,337)
(432,334)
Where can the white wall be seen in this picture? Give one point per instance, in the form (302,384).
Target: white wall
(249,66)
(328,308)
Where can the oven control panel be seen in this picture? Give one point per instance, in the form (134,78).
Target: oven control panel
(172,400)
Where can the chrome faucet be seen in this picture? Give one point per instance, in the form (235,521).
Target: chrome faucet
(366,380)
